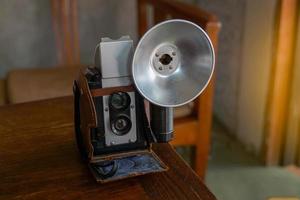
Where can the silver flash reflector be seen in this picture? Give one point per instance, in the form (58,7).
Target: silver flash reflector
(173,63)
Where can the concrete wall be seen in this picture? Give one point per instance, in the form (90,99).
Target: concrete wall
(27,39)
(231,14)
(243,66)
(255,72)
(102,18)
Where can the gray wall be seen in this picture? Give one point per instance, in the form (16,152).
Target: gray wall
(231,13)
(243,66)
(258,45)
(103,18)
(27,39)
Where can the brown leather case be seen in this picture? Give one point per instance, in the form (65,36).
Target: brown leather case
(88,120)
(88,115)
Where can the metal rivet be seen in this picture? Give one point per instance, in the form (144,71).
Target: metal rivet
(156,55)
(106,109)
(174,53)
(160,68)
(132,106)
(170,67)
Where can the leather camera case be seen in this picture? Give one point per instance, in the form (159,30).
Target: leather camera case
(86,121)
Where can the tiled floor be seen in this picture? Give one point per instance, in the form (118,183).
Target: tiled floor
(233,174)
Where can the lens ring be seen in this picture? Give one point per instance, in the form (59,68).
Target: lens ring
(121,125)
(119,101)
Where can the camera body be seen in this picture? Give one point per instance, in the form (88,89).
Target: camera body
(119,113)
(119,130)
(171,65)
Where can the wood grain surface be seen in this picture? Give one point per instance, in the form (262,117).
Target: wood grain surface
(39,160)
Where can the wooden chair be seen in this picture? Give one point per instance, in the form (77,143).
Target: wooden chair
(191,128)
(195,128)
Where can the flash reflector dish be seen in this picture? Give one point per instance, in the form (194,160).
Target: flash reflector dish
(173,63)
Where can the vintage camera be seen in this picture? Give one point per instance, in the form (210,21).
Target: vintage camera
(125,101)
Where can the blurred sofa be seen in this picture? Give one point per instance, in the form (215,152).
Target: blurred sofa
(26,85)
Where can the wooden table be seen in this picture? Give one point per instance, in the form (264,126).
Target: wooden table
(39,160)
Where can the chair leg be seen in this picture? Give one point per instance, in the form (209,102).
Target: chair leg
(205,105)
(203,138)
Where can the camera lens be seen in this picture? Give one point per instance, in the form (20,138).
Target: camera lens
(119,100)
(121,125)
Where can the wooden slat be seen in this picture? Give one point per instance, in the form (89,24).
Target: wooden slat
(292,143)
(159,15)
(56,15)
(205,109)
(185,132)
(142,17)
(280,85)
(183,10)
(75,30)
(65,27)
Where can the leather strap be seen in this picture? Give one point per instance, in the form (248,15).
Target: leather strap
(88,117)
(108,91)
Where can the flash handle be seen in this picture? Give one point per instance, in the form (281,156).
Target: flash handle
(161,122)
